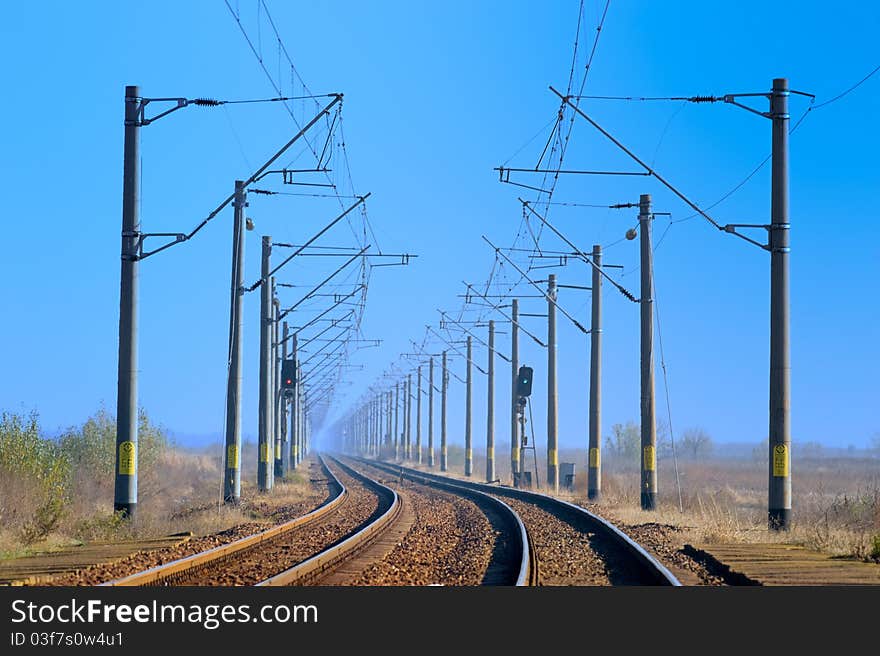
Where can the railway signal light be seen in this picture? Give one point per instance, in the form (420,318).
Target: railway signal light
(288,374)
(524,381)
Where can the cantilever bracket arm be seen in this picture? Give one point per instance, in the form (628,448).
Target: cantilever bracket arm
(731,228)
(458,323)
(141,238)
(336,98)
(535,285)
(454,348)
(730,99)
(361,199)
(322,283)
(471,290)
(180,104)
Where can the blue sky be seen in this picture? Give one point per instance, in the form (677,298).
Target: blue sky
(436,96)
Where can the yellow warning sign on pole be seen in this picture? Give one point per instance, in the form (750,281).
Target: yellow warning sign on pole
(594,458)
(650,458)
(232,456)
(780,460)
(127,458)
(264,452)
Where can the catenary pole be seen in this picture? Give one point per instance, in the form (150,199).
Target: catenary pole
(285,450)
(490,407)
(779,496)
(431,413)
(468,450)
(419,416)
(232,453)
(125,494)
(408,406)
(514,371)
(264,481)
(294,406)
(444,384)
(648,428)
(389,435)
(594,458)
(396,422)
(276,382)
(552,406)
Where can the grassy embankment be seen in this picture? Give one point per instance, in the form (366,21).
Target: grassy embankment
(58,491)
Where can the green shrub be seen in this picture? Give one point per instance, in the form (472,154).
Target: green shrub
(91,450)
(67,484)
(100,526)
(34,478)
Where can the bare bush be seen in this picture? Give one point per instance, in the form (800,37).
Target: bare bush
(696,443)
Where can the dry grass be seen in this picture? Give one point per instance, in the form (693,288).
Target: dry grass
(179,491)
(836,500)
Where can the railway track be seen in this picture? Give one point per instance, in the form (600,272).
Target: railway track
(533,539)
(572,545)
(344,524)
(453,523)
(365,521)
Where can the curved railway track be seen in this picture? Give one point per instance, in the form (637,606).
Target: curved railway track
(572,545)
(363,522)
(512,560)
(344,524)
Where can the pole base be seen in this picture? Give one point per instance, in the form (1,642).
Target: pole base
(594,495)
(126,510)
(649,501)
(232,501)
(779,519)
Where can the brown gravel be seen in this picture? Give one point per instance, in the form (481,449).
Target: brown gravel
(565,554)
(139,561)
(450,542)
(278,554)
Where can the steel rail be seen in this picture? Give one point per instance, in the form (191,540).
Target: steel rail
(659,571)
(327,560)
(159,574)
(528,566)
